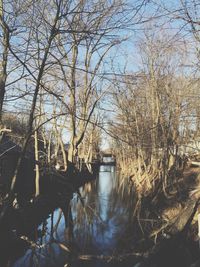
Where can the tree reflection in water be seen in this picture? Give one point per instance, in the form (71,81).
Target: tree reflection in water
(101,214)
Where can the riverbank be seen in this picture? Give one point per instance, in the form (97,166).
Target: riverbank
(105,234)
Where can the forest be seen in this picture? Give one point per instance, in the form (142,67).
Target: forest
(99,133)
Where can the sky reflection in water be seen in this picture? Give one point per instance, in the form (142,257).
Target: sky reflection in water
(98,225)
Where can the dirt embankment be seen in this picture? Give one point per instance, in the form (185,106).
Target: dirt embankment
(176,240)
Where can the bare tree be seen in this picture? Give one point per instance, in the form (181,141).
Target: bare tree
(38,80)
(84,41)
(5,48)
(150,106)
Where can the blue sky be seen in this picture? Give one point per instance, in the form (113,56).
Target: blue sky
(126,56)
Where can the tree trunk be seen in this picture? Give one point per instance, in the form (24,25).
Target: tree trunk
(3,70)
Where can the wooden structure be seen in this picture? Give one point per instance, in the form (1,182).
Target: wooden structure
(107,158)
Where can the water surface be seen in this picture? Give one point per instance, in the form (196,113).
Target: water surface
(100,219)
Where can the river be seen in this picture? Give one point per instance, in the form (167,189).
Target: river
(101,220)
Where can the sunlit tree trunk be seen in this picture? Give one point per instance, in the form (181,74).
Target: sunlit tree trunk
(3,61)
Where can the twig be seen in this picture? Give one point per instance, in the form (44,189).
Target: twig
(7,150)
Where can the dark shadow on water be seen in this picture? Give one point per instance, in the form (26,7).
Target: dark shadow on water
(100,221)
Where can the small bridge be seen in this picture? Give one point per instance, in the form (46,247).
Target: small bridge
(107,158)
